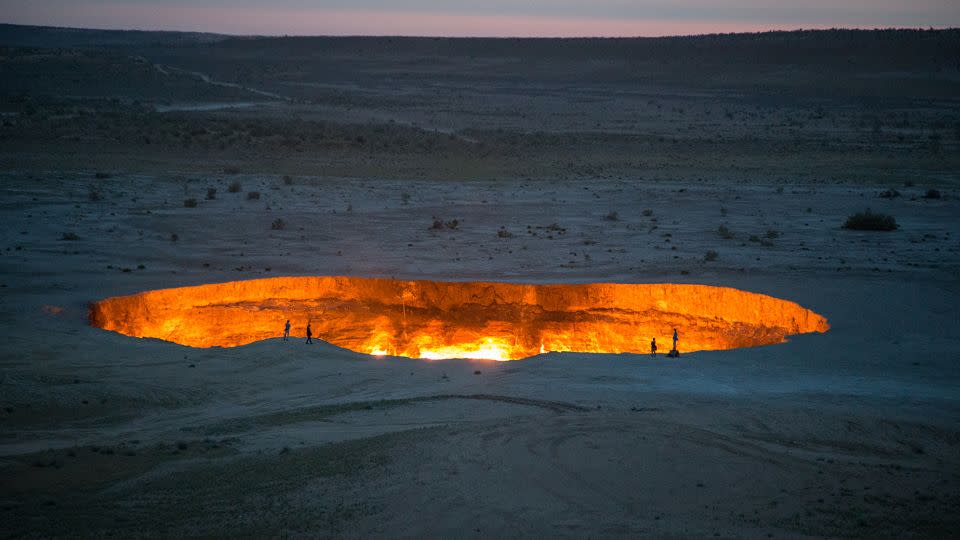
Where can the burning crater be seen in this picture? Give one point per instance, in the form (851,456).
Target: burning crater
(436,319)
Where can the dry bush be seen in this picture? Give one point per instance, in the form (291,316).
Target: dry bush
(724,232)
(648,212)
(278,225)
(231,170)
(932,194)
(253,196)
(94,194)
(235,187)
(440,224)
(69,236)
(612,216)
(870,221)
(711,256)
(288,180)
(211,193)
(190,203)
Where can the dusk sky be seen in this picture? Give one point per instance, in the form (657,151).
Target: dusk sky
(488,18)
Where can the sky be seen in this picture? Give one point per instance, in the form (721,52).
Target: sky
(500,18)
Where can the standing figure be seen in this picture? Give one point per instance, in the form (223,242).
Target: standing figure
(286,330)
(674,339)
(309,334)
(653,347)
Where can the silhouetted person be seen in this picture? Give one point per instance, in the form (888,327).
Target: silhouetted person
(674,339)
(309,334)
(653,347)
(286,331)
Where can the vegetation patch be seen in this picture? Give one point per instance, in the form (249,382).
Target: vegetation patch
(870,221)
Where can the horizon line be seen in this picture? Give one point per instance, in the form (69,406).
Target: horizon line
(782,30)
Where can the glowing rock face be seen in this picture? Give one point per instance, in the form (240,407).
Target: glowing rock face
(436,319)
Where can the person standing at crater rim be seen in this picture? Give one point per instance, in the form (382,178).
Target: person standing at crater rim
(674,339)
(286,330)
(309,333)
(653,347)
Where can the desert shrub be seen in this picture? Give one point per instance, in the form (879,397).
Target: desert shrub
(235,187)
(440,224)
(69,236)
(724,232)
(253,195)
(231,170)
(190,203)
(648,212)
(870,221)
(773,233)
(889,194)
(932,194)
(711,256)
(288,180)
(94,194)
(754,238)
(100,175)
(278,225)
(211,193)
(174,237)
(612,216)
(405,197)
(504,233)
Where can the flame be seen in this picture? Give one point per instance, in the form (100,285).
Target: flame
(485,349)
(433,320)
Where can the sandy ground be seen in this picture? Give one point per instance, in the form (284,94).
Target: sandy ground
(757,148)
(849,433)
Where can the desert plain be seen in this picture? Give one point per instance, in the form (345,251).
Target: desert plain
(135,161)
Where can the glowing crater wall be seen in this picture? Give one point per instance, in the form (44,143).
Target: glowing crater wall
(435,319)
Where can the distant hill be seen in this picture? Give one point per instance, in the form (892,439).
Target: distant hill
(817,64)
(15,35)
(840,50)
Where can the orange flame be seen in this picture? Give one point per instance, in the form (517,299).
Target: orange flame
(434,319)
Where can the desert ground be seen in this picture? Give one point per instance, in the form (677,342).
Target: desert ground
(648,154)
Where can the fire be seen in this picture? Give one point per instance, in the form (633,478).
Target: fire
(434,320)
(486,349)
